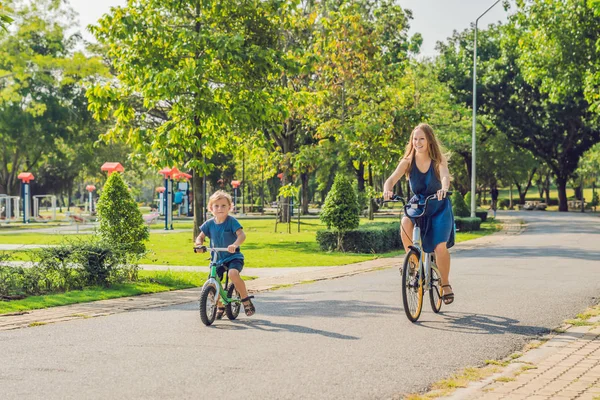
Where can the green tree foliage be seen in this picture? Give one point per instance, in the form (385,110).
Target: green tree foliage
(459,207)
(341,210)
(42,78)
(121,223)
(188,74)
(546,83)
(5,19)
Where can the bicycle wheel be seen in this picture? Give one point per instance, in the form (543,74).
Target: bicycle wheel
(435,291)
(412,286)
(208,305)
(232,309)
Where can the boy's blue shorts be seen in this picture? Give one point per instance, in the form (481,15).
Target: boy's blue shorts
(237,264)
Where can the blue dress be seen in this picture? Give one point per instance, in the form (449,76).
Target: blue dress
(437,226)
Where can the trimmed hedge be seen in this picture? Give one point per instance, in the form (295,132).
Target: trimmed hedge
(370,238)
(467,224)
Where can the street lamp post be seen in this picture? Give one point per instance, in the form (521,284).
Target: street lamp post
(473,144)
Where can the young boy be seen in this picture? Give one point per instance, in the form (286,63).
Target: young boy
(224,230)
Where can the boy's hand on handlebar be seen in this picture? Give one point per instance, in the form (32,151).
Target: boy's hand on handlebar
(232,248)
(199,248)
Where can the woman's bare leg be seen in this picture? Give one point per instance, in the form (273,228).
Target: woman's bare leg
(406,232)
(442,260)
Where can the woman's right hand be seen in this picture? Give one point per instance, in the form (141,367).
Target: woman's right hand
(387,194)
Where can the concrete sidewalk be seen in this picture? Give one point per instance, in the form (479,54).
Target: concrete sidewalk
(567,366)
(270,278)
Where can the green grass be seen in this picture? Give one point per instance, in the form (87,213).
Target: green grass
(263,247)
(504,193)
(150,282)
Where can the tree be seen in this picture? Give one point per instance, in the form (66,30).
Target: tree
(42,101)
(555,46)
(121,223)
(188,75)
(341,211)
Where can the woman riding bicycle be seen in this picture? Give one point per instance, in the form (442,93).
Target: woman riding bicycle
(426,168)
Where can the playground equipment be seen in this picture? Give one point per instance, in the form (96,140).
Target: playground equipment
(168,174)
(235,185)
(25,178)
(9,208)
(36,207)
(161,199)
(183,190)
(111,167)
(90,189)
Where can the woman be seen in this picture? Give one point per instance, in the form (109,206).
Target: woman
(426,167)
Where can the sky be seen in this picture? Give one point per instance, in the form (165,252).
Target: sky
(434,19)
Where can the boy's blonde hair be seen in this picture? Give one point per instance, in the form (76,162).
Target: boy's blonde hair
(218,195)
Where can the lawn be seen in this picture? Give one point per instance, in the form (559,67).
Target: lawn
(149,282)
(263,247)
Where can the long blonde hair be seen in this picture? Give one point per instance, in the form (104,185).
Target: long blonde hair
(434,148)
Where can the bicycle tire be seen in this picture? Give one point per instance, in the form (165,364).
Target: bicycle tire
(412,286)
(208,305)
(232,309)
(435,291)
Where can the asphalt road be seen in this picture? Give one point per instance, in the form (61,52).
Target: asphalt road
(342,339)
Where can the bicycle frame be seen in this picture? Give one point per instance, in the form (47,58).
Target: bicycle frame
(425,264)
(213,278)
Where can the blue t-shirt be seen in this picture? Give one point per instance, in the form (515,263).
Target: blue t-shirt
(222,235)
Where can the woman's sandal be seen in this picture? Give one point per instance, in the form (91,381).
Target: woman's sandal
(248,306)
(220,312)
(448,298)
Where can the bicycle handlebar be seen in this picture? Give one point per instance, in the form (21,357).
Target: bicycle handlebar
(416,205)
(202,249)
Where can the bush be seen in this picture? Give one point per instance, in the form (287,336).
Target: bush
(459,207)
(467,224)
(482,215)
(121,223)
(341,210)
(66,267)
(504,203)
(370,238)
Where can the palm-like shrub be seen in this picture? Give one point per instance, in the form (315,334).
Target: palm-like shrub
(459,207)
(121,223)
(341,209)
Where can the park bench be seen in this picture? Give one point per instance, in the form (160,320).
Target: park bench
(575,204)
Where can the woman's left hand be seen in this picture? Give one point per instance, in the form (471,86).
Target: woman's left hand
(441,194)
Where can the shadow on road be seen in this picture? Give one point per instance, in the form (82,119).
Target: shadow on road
(269,326)
(482,324)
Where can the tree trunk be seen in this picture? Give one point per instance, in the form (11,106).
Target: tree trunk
(198,201)
(371,200)
(561,185)
(304,178)
(360,176)
(547,188)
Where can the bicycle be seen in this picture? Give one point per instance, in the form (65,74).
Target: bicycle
(208,295)
(419,271)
